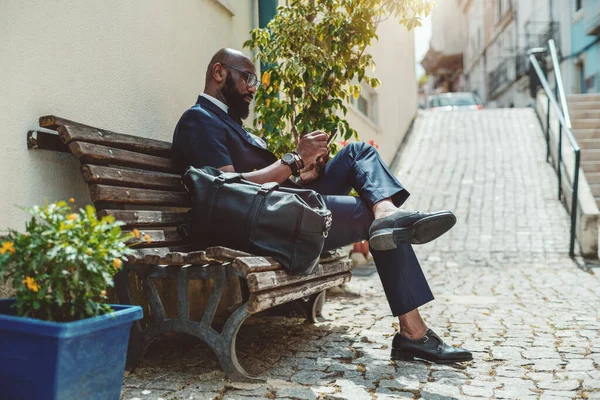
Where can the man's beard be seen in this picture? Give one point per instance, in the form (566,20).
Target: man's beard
(235,100)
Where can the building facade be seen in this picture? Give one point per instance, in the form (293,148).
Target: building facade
(580,45)
(443,62)
(502,31)
(134,67)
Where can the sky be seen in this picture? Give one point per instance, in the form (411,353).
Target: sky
(422,38)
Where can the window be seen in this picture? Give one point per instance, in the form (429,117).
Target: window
(579,77)
(362,105)
(366,103)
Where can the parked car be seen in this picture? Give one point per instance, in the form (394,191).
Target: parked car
(454,101)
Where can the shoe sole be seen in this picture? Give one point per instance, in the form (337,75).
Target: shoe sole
(407,356)
(423,231)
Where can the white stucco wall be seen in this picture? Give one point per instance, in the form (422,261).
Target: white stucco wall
(397,95)
(128,66)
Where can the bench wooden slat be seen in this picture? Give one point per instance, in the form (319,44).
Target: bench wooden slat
(333,255)
(116,194)
(271,298)
(53,122)
(259,281)
(249,264)
(151,254)
(143,218)
(224,253)
(85,133)
(96,174)
(90,153)
(246,262)
(158,238)
(165,256)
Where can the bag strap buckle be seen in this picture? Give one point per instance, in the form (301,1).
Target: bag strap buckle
(327,224)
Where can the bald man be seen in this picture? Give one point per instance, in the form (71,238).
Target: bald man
(210,133)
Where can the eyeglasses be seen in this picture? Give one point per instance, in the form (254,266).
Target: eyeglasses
(251,79)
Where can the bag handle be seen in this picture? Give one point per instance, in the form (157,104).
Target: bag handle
(257,205)
(218,183)
(228,177)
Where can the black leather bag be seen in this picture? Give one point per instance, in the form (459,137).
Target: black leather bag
(288,224)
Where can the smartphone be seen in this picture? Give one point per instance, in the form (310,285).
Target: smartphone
(331,137)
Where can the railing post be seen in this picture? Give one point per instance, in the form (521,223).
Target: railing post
(574,201)
(558,166)
(564,123)
(548,132)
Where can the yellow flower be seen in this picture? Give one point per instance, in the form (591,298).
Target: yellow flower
(88,252)
(136,233)
(267,102)
(117,263)
(103,293)
(73,217)
(7,246)
(31,285)
(147,238)
(266,78)
(72,200)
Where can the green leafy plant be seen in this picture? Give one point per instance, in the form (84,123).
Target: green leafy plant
(316,57)
(63,263)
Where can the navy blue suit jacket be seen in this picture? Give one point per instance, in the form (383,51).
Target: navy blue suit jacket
(207,136)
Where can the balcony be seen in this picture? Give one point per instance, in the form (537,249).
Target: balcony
(591,17)
(521,63)
(537,34)
(498,78)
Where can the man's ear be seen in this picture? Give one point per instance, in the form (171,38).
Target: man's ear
(218,73)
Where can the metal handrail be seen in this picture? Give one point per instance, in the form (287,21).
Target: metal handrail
(564,120)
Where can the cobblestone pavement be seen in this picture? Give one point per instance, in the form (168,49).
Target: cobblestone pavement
(505,289)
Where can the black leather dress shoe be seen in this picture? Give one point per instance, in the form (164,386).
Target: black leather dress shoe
(430,347)
(409,227)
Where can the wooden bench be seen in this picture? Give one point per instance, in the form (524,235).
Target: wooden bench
(205,293)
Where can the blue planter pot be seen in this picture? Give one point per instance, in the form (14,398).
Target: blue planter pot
(73,360)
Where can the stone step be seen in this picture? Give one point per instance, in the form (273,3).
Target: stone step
(583,97)
(585,114)
(585,123)
(583,106)
(582,134)
(593,177)
(590,155)
(590,166)
(586,144)
(595,187)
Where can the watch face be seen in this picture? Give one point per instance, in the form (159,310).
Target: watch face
(288,158)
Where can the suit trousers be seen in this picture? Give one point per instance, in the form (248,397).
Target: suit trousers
(359,166)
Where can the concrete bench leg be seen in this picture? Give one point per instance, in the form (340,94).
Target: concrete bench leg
(223,344)
(312,306)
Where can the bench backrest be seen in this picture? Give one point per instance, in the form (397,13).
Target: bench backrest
(131,178)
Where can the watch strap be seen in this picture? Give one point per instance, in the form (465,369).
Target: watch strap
(292,163)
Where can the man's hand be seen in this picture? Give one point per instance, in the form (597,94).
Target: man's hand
(309,173)
(312,146)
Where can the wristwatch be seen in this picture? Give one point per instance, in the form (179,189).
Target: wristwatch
(292,161)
